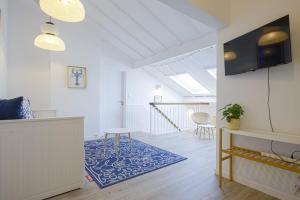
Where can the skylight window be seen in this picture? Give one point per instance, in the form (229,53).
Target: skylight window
(189,83)
(213,72)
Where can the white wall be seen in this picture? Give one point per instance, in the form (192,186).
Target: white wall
(111,90)
(28,66)
(3,46)
(140,91)
(41,75)
(82,50)
(213,13)
(250,90)
(218,9)
(141,88)
(120,84)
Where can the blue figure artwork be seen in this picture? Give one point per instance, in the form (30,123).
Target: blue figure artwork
(76,77)
(77,74)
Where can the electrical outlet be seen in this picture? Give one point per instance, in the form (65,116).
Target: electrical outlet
(296,187)
(297,191)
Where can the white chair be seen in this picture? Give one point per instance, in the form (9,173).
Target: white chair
(201,119)
(211,127)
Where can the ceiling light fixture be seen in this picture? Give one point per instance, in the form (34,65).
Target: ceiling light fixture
(64,10)
(49,39)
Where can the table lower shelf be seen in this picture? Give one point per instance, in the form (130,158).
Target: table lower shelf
(256,156)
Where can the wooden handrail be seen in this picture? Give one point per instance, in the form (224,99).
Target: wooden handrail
(165,116)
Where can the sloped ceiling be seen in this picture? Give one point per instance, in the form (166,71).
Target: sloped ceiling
(143,29)
(153,35)
(195,64)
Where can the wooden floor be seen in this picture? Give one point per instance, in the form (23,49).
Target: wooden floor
(193,179)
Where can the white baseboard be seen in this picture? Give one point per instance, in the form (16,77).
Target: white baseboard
(263,188)
(93,137)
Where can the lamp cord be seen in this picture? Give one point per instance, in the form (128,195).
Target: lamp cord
(271,124)
(268,102)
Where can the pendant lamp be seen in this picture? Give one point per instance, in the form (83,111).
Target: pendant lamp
(64,10)
(49,39)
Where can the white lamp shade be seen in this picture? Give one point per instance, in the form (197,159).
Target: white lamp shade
(49,42)
(64,10)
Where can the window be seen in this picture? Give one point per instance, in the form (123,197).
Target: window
(213,72)
(189,83)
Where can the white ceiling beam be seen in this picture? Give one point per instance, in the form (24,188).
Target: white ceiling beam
(154,37)
(202,76)
(187,47)
(213,13)
(100,26)
(189,22)
(109,49)
(122,28)
(180,41)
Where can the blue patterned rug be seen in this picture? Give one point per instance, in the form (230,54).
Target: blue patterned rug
(108,167)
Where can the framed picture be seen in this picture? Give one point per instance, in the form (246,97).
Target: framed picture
(77,77)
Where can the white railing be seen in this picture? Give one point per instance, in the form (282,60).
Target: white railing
(137,118)
(147,119)
(172,117)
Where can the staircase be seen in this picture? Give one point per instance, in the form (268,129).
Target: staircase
(171,117)
(165,116)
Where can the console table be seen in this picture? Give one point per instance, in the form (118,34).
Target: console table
(254,155)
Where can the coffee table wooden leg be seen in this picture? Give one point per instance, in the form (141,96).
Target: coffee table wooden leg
(105,141)
(116,143)
(119,142)
(130,140)
(105,138)
(129,136)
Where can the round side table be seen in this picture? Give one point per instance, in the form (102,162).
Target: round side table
(117,132)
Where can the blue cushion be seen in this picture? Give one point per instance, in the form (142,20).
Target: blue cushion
(10,108)
(25,111)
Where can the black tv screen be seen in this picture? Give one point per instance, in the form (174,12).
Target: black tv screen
(267,46)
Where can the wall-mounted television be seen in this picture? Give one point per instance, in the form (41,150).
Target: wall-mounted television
(267,46)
